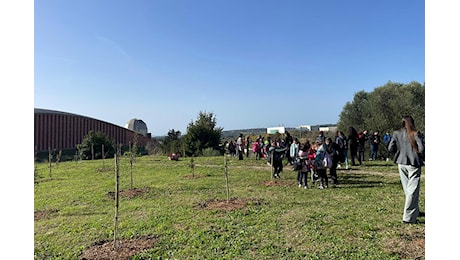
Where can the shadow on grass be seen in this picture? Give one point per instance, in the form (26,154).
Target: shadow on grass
(377,163)
(350,180)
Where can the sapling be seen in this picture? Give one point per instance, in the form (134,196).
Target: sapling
(117,187)
(50,159)
(103,157)
(132,157)
(226,177)
(58,157)
(192,166)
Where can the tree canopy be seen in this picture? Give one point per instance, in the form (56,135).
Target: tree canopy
(94,141)
(202,134)
(382,109)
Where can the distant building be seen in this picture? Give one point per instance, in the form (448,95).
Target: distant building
(309,127)
(61,130)
(315,128)
(274,130)
(328,128)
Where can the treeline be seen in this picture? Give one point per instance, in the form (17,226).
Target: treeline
(382,109)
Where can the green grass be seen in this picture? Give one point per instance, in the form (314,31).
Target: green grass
(358,219)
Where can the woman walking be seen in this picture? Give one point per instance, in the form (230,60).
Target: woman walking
(409,150)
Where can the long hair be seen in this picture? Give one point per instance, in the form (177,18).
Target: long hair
(352,132)
(409,125)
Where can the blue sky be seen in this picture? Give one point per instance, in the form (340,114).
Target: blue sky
(250,63)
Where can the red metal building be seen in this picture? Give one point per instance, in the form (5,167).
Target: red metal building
(60,130)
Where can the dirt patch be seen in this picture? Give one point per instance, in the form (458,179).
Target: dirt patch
(224,205)
(273,183)
(42,214)
(410,245)
(131,193)
(125,249)
(196,176)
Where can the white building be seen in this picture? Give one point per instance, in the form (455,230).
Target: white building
(328,128)
(274,130)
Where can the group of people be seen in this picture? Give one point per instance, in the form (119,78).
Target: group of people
(307,158)
(357,145)
(310,159)
(238,147)
(406,144)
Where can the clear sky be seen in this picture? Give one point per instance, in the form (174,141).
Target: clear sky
(250,63)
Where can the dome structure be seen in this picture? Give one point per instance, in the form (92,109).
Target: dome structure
(137,125)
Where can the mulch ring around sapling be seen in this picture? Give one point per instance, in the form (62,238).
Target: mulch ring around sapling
(44,214)
(124,249)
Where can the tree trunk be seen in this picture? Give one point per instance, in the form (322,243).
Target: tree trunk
(117,187)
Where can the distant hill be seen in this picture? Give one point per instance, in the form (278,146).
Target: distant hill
(234,133)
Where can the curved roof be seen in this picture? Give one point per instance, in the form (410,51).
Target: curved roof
(137,125)
(49,111)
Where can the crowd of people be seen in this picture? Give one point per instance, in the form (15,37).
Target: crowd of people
(326,154)
(345,150)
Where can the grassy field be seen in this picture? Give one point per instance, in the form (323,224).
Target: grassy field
(360,218)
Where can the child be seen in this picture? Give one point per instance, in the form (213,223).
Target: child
(277,153)
(303,172)
(256,149)
(311,154)
(322,172)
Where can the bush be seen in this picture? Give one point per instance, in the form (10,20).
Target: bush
(207,152)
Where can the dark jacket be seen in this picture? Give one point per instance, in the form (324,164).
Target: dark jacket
(362,142)
(374,140)
(404,153)
(333,150)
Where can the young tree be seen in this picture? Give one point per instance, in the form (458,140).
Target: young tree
(226,177)
(132,157)
(202,134)
(50,160)
(117,196)
(192,166)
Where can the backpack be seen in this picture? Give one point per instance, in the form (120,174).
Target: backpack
(327,160)
(323,160)
(297,165)
(341,142)
(278,154)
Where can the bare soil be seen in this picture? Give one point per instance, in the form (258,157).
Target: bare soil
(123,249)
(410,245)
(44,214)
